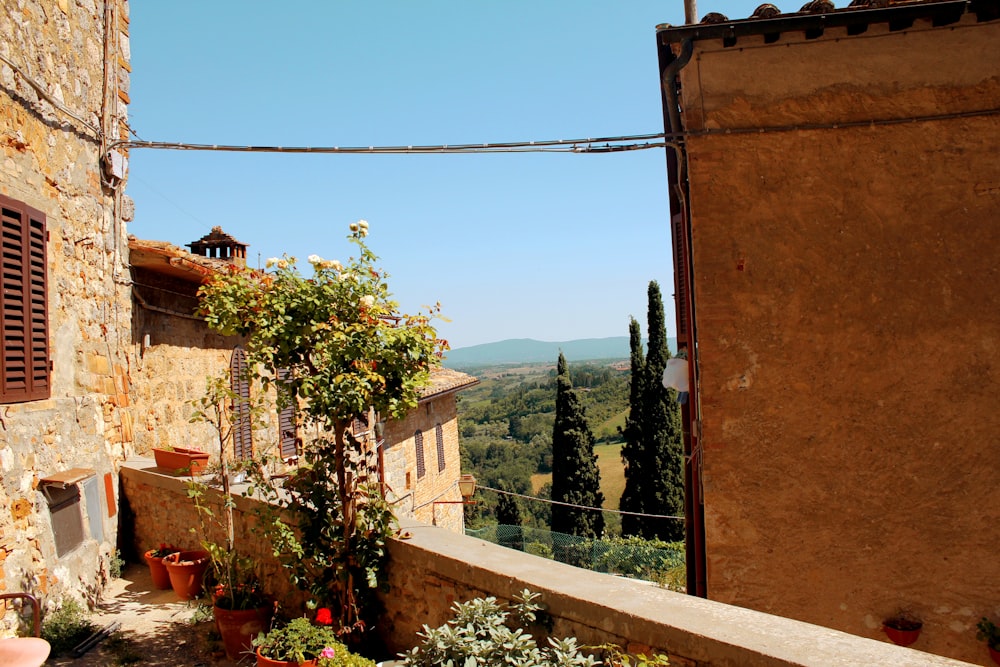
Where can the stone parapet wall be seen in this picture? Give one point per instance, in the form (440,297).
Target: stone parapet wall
(433,568)
(159,511)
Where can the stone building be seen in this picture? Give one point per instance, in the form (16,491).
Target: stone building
(66,343)
(835,201)
(421,455)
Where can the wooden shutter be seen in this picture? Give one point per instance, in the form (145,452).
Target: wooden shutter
(242,421)
(418,441)
(24,321)
(287,426)
(439,436)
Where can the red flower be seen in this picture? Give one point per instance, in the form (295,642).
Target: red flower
(323,616)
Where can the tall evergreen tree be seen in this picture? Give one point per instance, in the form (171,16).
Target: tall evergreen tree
(576,478)
(653,452)
(632,499)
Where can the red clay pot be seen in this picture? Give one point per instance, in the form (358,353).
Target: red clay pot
(239,627)
(267,662)
(901,637)
(157,570)
(186,569)
(994,654)
(179,458)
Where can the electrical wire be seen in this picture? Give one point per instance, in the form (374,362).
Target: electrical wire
(589,145)
(48,98)
(582,507)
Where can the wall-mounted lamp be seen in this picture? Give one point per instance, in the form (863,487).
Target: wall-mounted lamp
(467,487)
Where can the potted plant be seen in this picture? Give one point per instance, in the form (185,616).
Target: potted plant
(181,460)
(304,643)
(902,628)
(186,570)
(987,631)
(157,570)
(240,607)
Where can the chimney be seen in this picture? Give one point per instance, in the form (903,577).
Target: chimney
(219,245)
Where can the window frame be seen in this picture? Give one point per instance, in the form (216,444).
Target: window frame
(25,363)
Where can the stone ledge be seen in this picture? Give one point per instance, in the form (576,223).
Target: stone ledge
(630,611)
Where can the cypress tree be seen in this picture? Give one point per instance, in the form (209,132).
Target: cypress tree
(576,478)
(662,430)
(632,450)
(653,449)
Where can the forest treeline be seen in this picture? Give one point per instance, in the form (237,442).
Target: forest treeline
(506,427)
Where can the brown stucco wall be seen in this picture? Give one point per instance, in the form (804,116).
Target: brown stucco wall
(414,497)
(847,302)
(51,161)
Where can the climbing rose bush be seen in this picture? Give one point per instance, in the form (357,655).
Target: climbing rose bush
(342,350)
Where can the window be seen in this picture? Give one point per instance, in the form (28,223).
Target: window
(287,425)
(242,422)
(24,332)
(439,436)
(418,441)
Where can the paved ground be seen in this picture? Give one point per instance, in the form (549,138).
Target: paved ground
(156,629)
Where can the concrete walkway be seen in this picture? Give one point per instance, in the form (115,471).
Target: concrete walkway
(156,628)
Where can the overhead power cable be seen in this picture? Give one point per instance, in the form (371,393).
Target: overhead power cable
(591,145)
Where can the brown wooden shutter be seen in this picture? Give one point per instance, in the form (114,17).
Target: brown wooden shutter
(439,436)
(680,275)
(418,441)
(24,331)
(242,420)
(287,426)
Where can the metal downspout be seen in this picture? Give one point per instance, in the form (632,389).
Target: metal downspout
(693,504)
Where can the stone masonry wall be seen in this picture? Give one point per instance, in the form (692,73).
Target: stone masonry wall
(846,297)
(413,496)
(433,568)
(51,161)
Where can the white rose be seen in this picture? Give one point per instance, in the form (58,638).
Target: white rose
(271,261)
(315,259)
(368,300)
(332,264)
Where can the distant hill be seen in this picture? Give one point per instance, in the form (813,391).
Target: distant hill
(530,351)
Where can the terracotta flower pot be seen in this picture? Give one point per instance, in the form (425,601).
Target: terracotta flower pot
(179,458)
(267,662)
(902,636)
(239,627)
(186,569)
(157,570)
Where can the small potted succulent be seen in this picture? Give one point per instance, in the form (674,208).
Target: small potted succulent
(305,643)
(987,631)
(902,628)
(157,570)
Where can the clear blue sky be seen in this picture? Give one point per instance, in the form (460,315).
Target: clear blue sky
(548,246)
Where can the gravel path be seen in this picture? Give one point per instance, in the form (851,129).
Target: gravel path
(156,629)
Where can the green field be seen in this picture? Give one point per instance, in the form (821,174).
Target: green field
(609,460)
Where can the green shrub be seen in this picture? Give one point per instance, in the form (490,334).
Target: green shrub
(486,633)
(67,626)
